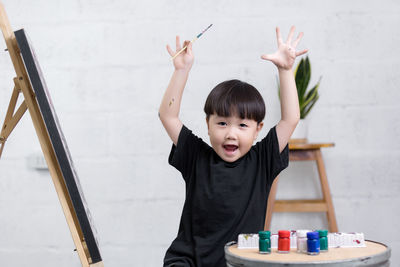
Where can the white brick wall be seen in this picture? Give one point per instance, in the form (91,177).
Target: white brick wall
(106,67)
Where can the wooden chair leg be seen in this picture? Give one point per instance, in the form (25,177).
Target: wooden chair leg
(333,228)
(270,205)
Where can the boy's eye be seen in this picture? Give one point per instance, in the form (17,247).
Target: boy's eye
(222,123)
(243,125)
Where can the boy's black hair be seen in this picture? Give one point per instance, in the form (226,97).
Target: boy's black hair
(234,97)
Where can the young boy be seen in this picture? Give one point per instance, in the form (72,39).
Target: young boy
(227,185)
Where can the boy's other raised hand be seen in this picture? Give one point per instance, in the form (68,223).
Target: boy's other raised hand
(184,60)
(286,54)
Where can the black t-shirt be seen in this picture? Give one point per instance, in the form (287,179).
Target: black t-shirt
(223,199)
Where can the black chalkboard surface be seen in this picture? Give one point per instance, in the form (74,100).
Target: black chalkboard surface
(59,144)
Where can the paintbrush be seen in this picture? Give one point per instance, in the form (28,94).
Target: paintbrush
(194,39)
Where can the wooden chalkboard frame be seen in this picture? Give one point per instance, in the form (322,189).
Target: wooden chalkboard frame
(30,83)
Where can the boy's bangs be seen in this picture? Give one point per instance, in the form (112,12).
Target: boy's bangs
(234,97)
(238,105)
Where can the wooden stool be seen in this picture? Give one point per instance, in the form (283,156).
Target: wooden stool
(304,152)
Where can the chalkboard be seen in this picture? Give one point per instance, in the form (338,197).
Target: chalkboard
(59,144)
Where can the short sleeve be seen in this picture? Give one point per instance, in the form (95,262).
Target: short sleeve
(183,156)
(275,162)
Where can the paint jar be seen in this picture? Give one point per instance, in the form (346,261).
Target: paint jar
(313,243)
(264,242)
(323,240)
(283,241)
(302,241)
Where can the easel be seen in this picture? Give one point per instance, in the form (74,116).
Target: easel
(22,84)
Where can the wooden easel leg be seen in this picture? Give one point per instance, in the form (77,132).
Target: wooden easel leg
(333,228)
(11,119)
(270,205)
(2,143)
(98,264)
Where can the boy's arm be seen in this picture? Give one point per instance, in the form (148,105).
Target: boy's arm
(171,102)
(284,59)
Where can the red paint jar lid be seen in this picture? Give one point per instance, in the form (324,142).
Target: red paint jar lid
(284,233)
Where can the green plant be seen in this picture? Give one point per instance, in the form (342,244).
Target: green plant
(307,99)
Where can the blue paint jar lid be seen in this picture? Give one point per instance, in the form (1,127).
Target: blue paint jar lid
(312,235)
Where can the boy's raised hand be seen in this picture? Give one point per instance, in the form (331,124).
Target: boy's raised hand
(184,60)
(286,54)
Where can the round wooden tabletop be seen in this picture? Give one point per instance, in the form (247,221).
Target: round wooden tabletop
(374,252)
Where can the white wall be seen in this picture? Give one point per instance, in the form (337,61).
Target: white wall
(106,67)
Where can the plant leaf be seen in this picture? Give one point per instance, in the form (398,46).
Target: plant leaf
(312,94)
(308,108)
(302,77)
(297,67)
(299,76)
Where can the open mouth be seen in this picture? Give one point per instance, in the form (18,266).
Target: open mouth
(230,148)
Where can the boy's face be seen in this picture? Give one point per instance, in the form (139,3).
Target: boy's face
(232,137)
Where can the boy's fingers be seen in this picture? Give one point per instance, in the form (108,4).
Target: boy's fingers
(170,51)
(296,42)
(267,57)
(301,52)
(278,35)
(185,43)
(178,43)
(289,39)
(189,48)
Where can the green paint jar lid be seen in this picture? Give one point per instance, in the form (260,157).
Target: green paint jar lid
(323,233)
(264,234)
